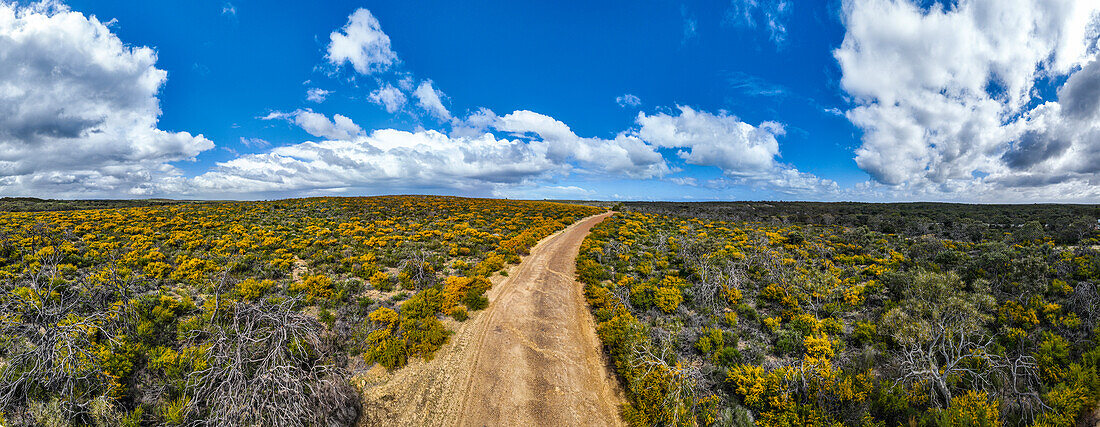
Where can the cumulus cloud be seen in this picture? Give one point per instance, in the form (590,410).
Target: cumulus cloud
(475,123)
(79,117)
(783,180)
(79,108)
(316,124)
(543,191)
(389,97)
(570,189)
(721,140)
(361,43)
(317,95)
(523,122)
(385,159)
(477,160)
(1080,96)
(948,97)
(499,155)
(1033,148)
(628,100)
(625,154)
(429,98)
(746,154)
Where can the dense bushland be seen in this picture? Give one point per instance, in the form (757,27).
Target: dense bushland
(32,204)
(239,313)
(1064,223)
(730,323)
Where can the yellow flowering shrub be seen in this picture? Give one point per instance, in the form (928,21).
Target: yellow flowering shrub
(818,346)
(312,288)
(251,289)
(381,281)
(971,409)
(668,298)
(464,290)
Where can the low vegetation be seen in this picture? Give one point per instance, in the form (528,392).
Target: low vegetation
(239,313)
(31,204)
(717,321)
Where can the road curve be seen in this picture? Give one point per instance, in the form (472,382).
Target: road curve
(531,358)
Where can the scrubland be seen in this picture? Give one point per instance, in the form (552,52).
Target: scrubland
(786,323)
(244,313)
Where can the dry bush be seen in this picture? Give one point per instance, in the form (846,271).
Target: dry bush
(52,331)
(268,365)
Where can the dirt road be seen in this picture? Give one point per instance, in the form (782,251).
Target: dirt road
(531,358)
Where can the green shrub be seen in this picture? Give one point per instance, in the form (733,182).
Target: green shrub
(459,314)
(475,301)
(175,411)
(788,342)
(668,298)
(381,281)
(972,409)
(326,317)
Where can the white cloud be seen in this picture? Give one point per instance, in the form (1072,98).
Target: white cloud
(570,189)
(746,154)
(428,98)
(384,160)
(690,30)
(472,158)
(945,96)
(473,161)
(684,180)
(628,100)
(406,83)
(721,140)
(787,181)
(229,9)
(475,124)
(977,192)
(533,191)
(362,43)
(389,97)
(316,124)
(529,122)
(79,109)
(255,142)
(755,86)
(625,154)
(317,95)
(773,14)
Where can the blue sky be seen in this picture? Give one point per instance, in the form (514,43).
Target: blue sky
(742,99)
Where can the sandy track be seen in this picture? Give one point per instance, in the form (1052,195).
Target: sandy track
(531,358)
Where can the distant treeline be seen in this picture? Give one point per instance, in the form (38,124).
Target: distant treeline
(32,204)
(1065,223)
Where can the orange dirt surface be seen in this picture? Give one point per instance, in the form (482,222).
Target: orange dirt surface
(531,358)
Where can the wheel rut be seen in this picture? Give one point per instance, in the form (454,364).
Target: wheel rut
(531,358)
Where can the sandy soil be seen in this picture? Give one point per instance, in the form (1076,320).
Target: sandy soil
(531,358)
(1091,420)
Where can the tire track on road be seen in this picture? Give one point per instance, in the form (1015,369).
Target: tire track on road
(531,358)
